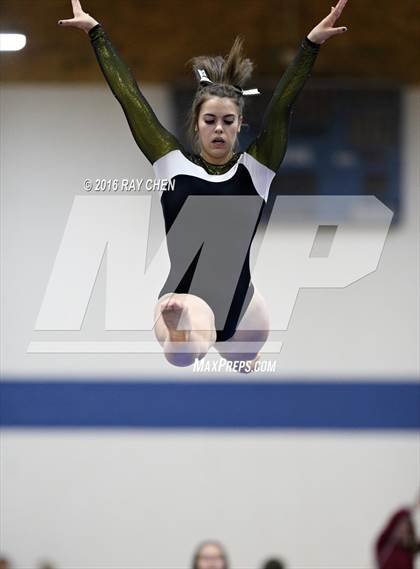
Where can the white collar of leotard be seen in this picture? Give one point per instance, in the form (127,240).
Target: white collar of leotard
(175,163)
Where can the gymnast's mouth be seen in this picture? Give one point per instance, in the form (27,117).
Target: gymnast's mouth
(218,141)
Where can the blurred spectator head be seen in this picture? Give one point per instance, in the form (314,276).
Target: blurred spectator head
(4,563)
(273,564)
(210,555)
(46,565)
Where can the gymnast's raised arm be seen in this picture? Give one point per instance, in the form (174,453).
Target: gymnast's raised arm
(152,138)
(270,145)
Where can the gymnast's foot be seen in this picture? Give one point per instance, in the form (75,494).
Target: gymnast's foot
(251,364)
(171,314)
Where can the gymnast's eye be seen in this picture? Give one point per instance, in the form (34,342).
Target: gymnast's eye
(209,121)
(229,122)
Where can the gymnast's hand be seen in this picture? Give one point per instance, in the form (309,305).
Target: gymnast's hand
(81,20)
(325,29)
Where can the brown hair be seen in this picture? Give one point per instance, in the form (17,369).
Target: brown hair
(227,73)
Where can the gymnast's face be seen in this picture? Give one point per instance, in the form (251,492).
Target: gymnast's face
(217,126)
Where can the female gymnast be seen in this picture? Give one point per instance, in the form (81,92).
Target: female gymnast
(220,307)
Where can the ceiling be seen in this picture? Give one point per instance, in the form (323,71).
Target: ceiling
(156,38)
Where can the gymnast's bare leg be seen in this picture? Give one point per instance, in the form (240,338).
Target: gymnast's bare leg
(197,327)
(253,330)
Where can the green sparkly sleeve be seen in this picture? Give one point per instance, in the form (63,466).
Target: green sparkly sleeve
(152,138)
(270,145)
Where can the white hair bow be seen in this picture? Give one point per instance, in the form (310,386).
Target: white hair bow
(204,80)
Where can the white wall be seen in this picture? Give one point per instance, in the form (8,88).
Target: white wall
(139,499)
(129,500)
(55,137)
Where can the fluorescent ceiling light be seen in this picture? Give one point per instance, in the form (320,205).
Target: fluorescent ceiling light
(12,42)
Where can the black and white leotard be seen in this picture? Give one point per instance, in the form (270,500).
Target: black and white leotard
(209,246)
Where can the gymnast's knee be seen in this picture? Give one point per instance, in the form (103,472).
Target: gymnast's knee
(239,357)
(184,355)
